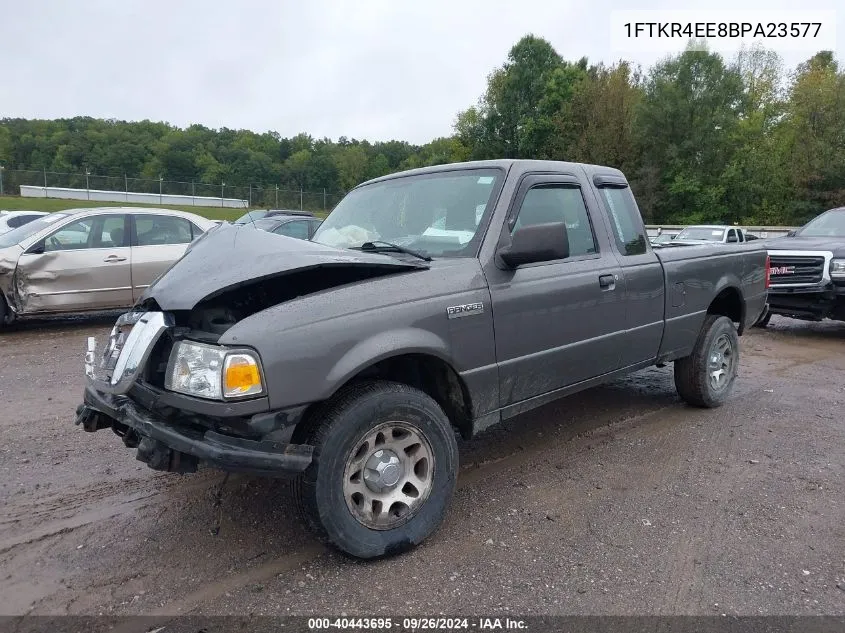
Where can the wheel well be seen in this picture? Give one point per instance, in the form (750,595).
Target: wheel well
(432,376)
(729,303)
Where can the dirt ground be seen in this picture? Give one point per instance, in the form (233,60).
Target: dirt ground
(621,500)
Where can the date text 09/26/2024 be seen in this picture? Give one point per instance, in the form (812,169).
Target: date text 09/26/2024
(417,624)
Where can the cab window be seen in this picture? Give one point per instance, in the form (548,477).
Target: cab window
(627,226)
(558,203)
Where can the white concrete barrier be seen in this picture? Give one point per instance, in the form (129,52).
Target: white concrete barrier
(762,232)
(94,195)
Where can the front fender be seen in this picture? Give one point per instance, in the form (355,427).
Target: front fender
(396,342)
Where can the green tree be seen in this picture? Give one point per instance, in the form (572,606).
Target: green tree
(756,177)
(594,122)
(506,117)
(5,146)
(298,168)
(815,136)
(352,164)
(686,125)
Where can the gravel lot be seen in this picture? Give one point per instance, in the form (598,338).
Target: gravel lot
(620,500)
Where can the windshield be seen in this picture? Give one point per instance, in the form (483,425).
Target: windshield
(436,214)
(701,233)
(18,235)
(828,224)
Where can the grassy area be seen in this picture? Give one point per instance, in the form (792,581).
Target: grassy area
(14,203)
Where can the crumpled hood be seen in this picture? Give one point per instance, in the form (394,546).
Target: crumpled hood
(798,243)
(230,256)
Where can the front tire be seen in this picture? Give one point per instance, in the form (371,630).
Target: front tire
(384,471)
(706,377)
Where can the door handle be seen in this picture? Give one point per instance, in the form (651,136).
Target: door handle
(607,282)
(111,259)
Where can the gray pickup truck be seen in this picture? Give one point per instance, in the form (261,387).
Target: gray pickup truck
(439,300)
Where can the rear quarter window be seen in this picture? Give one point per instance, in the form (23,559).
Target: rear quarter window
(625,221)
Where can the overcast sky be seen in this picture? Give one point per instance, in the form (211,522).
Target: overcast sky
(374,69)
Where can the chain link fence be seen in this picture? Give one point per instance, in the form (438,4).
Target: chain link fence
(254,196)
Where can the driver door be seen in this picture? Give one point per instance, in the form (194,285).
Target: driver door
(83,265)
(557,322)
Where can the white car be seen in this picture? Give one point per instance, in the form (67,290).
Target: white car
(13,219)
(712,234)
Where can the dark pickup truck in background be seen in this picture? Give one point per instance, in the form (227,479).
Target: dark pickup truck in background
(808,270)
(440,300)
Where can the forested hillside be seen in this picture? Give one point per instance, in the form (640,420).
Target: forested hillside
(701,137)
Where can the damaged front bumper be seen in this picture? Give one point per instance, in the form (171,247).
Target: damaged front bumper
(114,398)
(175,448)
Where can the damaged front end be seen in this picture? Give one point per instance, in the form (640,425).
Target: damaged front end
(174,432)
(162,379)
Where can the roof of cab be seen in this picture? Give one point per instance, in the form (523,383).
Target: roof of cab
(520,165)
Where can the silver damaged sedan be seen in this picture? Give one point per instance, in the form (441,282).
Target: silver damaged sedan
(90,259)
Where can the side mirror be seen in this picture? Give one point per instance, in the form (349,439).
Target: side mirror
(732,239)
(536,243)
(36,249)
(791,233)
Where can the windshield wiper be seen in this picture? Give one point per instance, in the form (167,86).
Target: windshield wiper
(379,245)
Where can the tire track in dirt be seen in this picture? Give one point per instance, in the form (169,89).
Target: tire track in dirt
(626,410)
(105,499)
(532,448)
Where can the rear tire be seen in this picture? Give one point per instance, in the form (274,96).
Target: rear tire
(384,470)
(706,377)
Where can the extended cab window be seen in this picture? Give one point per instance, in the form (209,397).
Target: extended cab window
(628,230)
(558,203)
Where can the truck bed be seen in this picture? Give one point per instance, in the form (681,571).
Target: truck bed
(694,275)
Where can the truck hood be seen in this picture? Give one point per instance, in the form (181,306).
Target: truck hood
(229,257)
(798,243)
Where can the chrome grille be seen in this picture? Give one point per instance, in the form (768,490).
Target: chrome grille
(795,269)
(100,366)
(119,364)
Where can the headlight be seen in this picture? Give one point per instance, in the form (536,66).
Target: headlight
(837,268)
(209,371)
